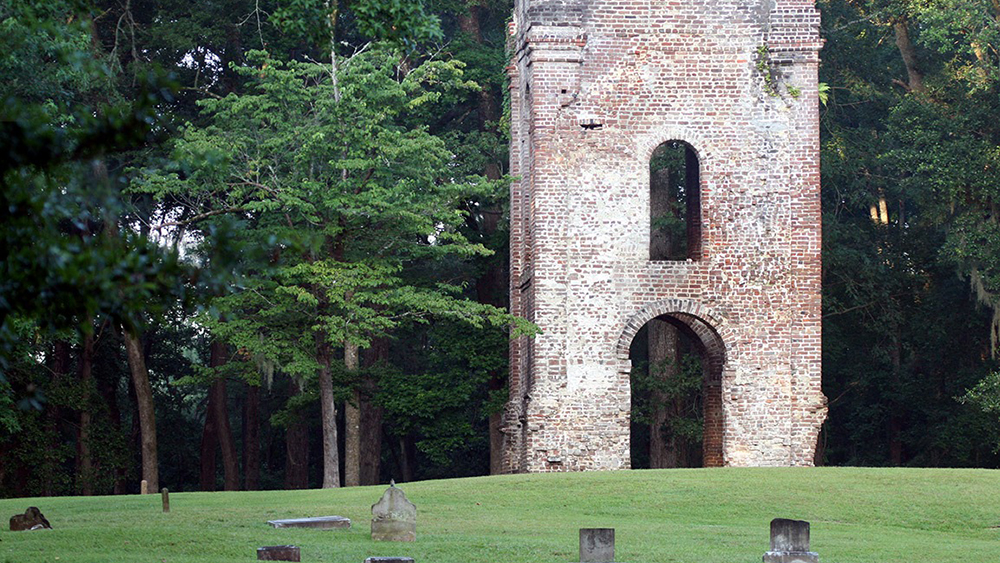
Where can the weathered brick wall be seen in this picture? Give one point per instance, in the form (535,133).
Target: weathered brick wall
(596,86)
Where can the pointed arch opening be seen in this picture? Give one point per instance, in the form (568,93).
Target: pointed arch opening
(674,202)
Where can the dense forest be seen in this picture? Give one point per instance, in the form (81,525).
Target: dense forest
(259,244)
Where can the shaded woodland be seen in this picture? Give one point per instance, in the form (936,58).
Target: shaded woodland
(262,245)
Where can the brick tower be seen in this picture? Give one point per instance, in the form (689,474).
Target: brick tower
(597,88)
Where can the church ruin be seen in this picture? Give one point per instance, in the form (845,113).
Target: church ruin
(667,156)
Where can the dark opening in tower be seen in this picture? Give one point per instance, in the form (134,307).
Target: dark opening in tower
(674,203)
(676,394)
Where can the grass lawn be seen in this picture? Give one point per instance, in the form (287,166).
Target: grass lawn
(689,516)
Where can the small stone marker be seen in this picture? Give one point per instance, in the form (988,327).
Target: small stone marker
(790,542)
(143,487)
(32,519)
(597,545)
(394,518)
(318,523)
(166,499)
(278,553)
(389,560)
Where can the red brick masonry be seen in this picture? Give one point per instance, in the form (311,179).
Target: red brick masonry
(596,86)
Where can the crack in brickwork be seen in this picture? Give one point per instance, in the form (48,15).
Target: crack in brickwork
(596,86)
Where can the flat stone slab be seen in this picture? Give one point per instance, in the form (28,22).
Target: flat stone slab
(318,523)
(278,553)
(389,560)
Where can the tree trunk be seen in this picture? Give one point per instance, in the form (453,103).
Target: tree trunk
(144,404)
(819,458)
(296,448)
(220,412)
(251,438)
(371,415)
(895,426)
(108,382)
(209,441)
(915,77)
(491,287)
(328,416)
(85,459)
(232,57)
(53,415)
(663,351)
(352,423)
(406,459)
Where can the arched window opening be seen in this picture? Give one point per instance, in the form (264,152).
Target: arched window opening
(676,403)
(674,203)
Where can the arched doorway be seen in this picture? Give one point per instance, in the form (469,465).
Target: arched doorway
(676,393)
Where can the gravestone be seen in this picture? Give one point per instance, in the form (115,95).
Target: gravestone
(165,497)
(394,518)
(597,545)
(389,560)
(32,519)
(143,487)
(278,553)
(790,542)
(318,523)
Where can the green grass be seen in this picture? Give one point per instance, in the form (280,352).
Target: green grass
(690,516)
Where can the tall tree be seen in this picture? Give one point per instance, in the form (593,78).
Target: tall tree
(357,194)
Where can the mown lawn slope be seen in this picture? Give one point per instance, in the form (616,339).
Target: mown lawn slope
(684,516)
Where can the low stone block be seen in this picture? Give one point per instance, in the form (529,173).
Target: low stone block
(389,560)
(278,553)
(597,545)
(319,523)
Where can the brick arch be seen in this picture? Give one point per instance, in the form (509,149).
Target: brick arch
(711,328)
(701,146)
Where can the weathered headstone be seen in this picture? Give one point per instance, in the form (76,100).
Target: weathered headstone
(32,519)
(394,518)
(790,542)
(278,553)
(389,560)
(166,499)
(597,545)
(318,523)
(143,487)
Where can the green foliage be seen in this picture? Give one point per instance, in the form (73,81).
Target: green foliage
(8,418)
(767,70)
(907,184)
(49,56)
(402,22)
(62,257)
(441,397)
(352,194)
(771,74)
(986,395)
